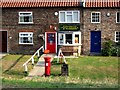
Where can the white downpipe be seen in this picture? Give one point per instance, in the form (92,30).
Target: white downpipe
(56,41)
(45,41)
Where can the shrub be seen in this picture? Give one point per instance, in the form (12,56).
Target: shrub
(111,49)
(114,51)
(107,48)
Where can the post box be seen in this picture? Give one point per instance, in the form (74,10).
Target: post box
(47,65)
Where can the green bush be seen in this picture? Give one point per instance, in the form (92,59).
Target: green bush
(107,48)
(111,49)
(114,51)
(118,48)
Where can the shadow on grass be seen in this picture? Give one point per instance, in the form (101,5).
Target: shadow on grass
(53,75)
(54,62)
(16,73)
(13,64)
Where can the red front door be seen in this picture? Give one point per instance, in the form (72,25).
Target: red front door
(51,41)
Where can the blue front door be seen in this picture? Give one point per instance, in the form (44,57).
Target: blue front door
(95,41)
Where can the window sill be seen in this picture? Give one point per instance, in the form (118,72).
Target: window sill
(26,44)
(25,23)
(70,44)
(69,22)
(95,22)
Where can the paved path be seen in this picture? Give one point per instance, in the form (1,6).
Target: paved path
(2,55)
(39,68)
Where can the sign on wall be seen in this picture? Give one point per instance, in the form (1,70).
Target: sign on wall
(69,27)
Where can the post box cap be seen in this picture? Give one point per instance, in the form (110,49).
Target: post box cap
(47,58)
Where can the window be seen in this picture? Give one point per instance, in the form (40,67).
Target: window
(25,18)
(76,38)
(117,36)
(118,17)
(69,38)
(95,17)
(61,38)
(25,38)
(69,17)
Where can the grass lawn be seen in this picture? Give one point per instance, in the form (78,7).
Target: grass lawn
(87,71)
(12,65)
(8,60)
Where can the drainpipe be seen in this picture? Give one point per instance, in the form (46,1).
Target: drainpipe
(82,27)
(83,1)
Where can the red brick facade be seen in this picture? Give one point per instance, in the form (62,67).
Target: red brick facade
(43,17)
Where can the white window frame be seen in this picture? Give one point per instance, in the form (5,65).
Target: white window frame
(30,14)
(25,36)
(99,17)
(116,16)
(68,14)
(73,38)
(115,36)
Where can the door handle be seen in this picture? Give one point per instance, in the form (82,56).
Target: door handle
(95,43)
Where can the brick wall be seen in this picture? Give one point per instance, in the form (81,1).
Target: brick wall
(108,26)
(42,18)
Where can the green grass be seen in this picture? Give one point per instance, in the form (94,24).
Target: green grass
(91,69)
(94,67)
(8,60)
(84,72)
(61,82)
(17,69)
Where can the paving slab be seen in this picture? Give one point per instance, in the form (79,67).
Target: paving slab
(39,68)
(2,55)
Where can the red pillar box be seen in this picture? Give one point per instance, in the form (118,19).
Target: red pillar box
(47,65)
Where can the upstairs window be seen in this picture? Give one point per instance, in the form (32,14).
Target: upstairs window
(117,36)
(25,17)
(69,17)
(95,17)
(25,38)
(118,17)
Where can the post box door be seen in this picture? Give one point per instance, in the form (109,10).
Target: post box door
(51,42)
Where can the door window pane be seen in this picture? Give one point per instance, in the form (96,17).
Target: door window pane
(51,37)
